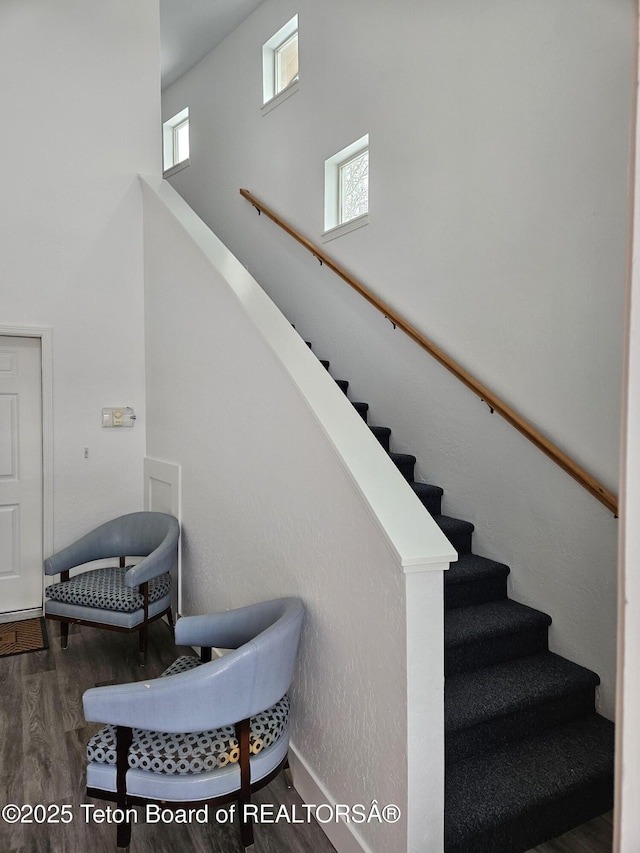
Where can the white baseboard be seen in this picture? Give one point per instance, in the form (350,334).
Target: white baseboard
(341,834)
(19,615)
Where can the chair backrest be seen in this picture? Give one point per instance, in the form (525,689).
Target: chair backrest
(265,638)
(136,534)
(258,672)
(239,685)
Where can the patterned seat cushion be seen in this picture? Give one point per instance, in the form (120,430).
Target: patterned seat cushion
(105,588)
(165,752)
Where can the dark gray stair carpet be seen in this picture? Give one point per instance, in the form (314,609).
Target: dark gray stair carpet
(405,463)
(457,531)
(362,409)
(526,756)
(430,496)
(474,580)
(383,434)
(494,706)
(484,634)
(511,799)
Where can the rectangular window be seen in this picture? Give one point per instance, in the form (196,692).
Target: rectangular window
(181,142)
(354,186)
(175,143)
(346,189)
(280,72)
(286,63)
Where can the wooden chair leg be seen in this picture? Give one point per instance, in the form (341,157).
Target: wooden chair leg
(144,628)
(288,777)
(64,635)
(246,831)
(124,736)
(123,836)
(246,820)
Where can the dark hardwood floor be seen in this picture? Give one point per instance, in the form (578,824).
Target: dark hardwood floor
(593,837)
(43,736)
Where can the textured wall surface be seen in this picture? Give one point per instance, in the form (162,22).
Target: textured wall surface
(499,137)
(270,508)
(81,127)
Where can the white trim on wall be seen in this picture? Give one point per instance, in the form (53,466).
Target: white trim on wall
(626,821)
(169,474)
(341,834)
(44,333)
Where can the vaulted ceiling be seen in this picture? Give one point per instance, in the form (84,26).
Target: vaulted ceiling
(191,28)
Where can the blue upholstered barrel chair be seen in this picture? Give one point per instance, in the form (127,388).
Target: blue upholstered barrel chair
(205,732)
(119,598)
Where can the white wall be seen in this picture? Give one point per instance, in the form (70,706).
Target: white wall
(285,492)
(627,818)
(80,97)
(499,167)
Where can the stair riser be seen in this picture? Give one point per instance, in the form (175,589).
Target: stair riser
(362,409)
(495,650)
(547,821)
(406,469)
(532,721)
(460,541)
(383,437)
(432,504)
(384,441)
(475,592)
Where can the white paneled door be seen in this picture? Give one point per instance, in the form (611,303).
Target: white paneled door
(20,474)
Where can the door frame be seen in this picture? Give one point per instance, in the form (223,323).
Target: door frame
(44,333)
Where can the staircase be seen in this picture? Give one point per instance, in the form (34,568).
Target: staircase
(527,757)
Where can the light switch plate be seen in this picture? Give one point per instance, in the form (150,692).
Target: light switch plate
(118,416)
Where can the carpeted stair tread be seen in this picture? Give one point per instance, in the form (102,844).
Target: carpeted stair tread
(427,488)
(383,434)
(471,567)
(509,800)
(325,363)
(405,463)
(506,688)
(457,531)
(495,619)
(430,496)
(474,580)
(403,458)
(342,384)
(362,409)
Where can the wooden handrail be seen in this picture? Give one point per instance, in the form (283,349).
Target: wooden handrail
(495,403)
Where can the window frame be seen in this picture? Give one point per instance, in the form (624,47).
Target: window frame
(171,146)
(334,224)
(271,51)
(341,186)
(177,144)
(277,63)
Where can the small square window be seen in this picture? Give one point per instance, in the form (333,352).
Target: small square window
(280,63)
(175,143)
(346,188)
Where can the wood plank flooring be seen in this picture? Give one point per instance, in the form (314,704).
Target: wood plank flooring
(43,736)
(593,837)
